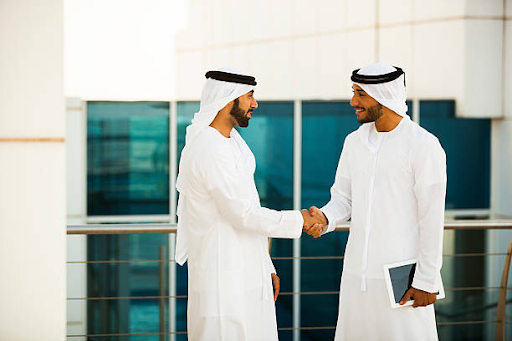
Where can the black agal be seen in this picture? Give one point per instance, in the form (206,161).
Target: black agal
(231,77)
(376,79)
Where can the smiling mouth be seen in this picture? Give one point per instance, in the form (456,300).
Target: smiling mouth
(359,110)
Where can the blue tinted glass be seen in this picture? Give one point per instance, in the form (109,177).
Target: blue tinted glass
(109,278)
(127,158)
(467,143)
(324,128)
(186,111)
(270,137)
(478,304)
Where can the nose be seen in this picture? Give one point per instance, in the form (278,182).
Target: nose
(353,101)
(254,103)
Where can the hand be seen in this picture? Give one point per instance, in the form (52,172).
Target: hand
(421,298)
(276,285)
(308,221)
(321,222)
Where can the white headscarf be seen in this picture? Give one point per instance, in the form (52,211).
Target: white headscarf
(215,96)
(392,94)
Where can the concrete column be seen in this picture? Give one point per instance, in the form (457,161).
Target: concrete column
(32,171)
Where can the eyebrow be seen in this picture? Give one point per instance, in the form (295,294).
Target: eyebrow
(361,91)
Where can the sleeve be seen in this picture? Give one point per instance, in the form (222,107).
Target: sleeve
(429,167)
(227,186)
(339,209)
(271,266)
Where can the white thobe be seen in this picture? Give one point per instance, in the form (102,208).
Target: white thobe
(392,185)
(230,294)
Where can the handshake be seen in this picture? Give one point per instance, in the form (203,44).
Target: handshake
(315,221)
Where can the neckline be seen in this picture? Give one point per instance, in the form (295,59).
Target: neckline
(220,134)
(394,130)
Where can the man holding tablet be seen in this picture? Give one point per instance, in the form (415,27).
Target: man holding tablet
(391,182)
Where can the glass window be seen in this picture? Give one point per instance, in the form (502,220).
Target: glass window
(110,275)
(324,128)
(467,143)
(270,137)
(127,158)
(127,173)
(186,111)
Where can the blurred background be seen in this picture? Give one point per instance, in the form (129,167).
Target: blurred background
(95,97)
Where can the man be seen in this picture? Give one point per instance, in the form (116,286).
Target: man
(391,182)
(222,229)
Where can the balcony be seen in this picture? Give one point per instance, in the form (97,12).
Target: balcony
(475,280)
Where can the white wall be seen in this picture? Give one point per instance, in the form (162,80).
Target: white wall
(307,50)
(32,172)
(121,49)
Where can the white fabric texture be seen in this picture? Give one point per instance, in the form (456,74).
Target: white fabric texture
(393,188)
(229,283)
(215,96)
(401,324)
(392,94)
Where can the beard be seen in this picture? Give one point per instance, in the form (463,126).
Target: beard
(372,114)
(240,115)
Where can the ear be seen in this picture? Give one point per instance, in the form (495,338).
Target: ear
(230,105)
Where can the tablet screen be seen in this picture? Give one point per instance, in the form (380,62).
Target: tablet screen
(401,279)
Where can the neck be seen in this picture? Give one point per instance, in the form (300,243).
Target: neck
(223,126)
(388,121)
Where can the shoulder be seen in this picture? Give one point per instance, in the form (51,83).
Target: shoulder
(211,147)
(423,141)
(357,134)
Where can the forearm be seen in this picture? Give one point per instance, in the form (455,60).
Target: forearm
(244,215)
(431,228)
(337,211)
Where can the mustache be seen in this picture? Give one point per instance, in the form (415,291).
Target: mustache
(360,108)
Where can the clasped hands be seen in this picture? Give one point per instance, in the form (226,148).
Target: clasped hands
(314,221)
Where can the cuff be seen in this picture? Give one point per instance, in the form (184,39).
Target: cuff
(330,218)
(272,269)
(294,217)
(425,286)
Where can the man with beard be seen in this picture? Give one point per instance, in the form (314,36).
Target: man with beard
(222,229)
(391,182)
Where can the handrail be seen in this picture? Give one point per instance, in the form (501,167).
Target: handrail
(502,299)
(162,228)
(166,228)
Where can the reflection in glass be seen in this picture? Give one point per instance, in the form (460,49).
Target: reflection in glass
(127,158)
(270,137)
(467,143)
(324,128)
(109,278)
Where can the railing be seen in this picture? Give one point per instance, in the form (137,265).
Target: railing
(164,228)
